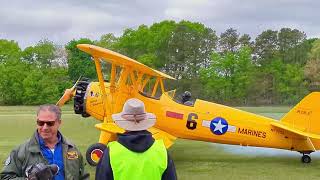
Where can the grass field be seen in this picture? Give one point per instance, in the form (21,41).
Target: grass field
(193,160)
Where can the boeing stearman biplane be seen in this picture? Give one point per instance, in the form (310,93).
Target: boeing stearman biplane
(299,130)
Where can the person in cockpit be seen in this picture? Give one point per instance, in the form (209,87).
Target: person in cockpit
(186,98)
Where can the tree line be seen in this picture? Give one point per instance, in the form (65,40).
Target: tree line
(276,67)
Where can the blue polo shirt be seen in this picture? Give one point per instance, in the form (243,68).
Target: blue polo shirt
(54,156)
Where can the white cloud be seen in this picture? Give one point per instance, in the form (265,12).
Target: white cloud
(29,21)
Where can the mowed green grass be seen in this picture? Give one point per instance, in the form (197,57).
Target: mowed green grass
(193,160)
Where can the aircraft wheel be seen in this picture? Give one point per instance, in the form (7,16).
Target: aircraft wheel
(94,153)
(305,158)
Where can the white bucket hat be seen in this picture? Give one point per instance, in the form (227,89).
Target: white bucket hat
(134,116)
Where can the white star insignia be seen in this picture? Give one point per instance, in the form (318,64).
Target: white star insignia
(218,126)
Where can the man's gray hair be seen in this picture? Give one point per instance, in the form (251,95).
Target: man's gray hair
(52,108)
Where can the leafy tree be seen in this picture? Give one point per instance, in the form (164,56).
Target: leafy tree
(271,76)
(44,86)
(288,40)
(79,63)
(292,86)
(31,79)
(147,42)
(312,67)
(12,74)
(179,49)
(278,83)
(160,41)
(33,87)
(41,55)
(161,34)
(315,50)
(9,50)
(299,54)
(277,68)
(108,41)
(228,77)
(148,59)
(135,43)
(59,77)
(190,47)
(266,47)
(229,40)
(245,40)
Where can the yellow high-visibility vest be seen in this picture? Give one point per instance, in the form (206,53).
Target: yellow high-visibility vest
(148,165)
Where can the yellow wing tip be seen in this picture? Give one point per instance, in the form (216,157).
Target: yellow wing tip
(85,47)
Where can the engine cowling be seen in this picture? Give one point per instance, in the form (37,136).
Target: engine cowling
(79,98)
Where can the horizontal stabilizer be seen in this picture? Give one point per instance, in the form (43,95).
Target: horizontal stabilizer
(109,127)
(295,131)
(167,138)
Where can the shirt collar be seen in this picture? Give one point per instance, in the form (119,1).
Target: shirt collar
(41,140)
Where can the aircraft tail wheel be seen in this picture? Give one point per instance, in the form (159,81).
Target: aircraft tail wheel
(94,153)
(305,159)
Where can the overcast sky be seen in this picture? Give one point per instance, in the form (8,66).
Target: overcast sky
(28,21)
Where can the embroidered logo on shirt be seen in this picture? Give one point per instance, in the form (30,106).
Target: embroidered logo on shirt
(72,155)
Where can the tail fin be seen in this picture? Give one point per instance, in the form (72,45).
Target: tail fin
(305,116)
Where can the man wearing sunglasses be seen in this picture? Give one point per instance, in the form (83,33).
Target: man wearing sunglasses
(47,146)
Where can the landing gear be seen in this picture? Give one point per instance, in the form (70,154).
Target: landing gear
(94,153)
(305,158)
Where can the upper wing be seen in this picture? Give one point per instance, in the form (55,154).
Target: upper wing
(120,60)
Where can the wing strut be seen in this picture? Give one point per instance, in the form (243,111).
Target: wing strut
(103,89)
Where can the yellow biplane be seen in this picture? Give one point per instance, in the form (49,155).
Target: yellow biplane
(299,130)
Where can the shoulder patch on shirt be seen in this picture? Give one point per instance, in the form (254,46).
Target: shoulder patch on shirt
(72,155)
(8,161)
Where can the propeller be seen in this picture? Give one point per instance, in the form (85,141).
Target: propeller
(67,95)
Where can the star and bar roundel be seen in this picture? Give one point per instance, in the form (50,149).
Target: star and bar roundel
(218,126)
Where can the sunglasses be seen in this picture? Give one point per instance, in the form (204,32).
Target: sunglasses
(49,123)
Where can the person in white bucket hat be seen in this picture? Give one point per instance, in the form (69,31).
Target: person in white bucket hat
(134,116)
(135,154)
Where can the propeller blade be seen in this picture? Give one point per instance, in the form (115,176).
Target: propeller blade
(68,94)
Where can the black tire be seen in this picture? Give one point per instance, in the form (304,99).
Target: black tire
(305,159)
(94,153)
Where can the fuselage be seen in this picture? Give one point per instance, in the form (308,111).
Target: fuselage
(204,121)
